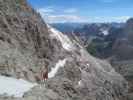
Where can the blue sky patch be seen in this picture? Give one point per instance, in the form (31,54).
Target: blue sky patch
(59,11)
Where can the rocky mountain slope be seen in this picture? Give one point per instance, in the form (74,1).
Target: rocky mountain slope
(28,45)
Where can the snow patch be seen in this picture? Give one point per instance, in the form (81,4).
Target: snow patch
(80,83)
(88,65)
(105,32)
(65,41)
(58,65)
(14,87)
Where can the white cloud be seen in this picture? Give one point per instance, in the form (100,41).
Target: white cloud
(46,10)
(122,18)
(70,10)
(67,17)
(52,15)
(63,18)
(111,19)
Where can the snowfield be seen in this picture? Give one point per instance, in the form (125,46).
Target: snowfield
(14,87)
(60,63)
(65,41)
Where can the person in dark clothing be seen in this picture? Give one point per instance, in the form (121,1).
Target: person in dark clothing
(44,74)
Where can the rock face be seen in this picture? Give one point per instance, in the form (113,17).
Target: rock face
(124,40)
(27,45)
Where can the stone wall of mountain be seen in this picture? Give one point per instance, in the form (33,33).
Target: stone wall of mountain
(117,47)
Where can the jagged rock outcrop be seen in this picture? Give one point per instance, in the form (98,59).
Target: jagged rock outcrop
(27,45)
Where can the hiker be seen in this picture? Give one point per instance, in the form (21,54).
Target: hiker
(44,74)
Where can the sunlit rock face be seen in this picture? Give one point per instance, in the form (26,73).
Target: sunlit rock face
(28,45)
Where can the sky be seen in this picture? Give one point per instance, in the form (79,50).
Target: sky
(60,11)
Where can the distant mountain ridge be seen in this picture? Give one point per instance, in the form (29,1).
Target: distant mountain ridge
(66,27)
(69,27)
